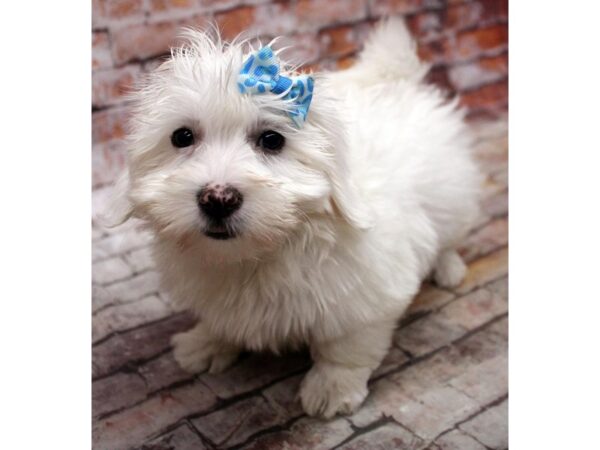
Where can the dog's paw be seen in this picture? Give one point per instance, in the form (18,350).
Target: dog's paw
(450,270)
(330,389)
(195,352)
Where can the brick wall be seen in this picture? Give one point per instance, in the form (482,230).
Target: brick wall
(466,40)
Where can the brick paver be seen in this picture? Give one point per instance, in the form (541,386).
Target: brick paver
(443,384)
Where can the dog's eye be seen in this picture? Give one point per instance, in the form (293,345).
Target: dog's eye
(182,137)
(271,141)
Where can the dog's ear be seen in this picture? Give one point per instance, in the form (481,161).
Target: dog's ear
(119,208)
(346,199)
(329,128)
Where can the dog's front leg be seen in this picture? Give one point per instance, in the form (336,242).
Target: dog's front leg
(337,382)
(197,351)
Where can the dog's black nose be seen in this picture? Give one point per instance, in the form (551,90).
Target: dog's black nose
(219,202)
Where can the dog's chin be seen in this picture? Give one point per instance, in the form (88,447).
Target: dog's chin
(220,233)
(221,245)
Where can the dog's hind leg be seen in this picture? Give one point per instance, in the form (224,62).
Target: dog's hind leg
(449,269)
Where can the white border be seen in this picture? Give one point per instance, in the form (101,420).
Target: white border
(554,225)
(45,224)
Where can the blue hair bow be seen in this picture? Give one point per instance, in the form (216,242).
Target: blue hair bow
(261,73)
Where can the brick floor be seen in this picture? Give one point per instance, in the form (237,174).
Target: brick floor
(442,386)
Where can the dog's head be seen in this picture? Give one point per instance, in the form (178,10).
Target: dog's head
(228,172)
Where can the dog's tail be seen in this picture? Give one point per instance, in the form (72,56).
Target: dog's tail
(391,52)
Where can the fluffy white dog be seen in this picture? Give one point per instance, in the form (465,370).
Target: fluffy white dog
(278,232)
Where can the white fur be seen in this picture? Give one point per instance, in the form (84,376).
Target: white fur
(336,233)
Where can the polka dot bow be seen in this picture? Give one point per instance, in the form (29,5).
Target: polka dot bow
(261,73)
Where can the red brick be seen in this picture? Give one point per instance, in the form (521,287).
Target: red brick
(491,188)
(434,409)
(485,270)
(457,440)
(485,240)
(387,436)
(163,372)
(108,162)
(109,87)
(429,298)
(474,309)
(392,361)
(464,15)
(254,21)
(432,51)
(495,373)
(425,26)
(129,290)
(129,236)
(116,392)
(233,22)
(500,287)
(491,96)
(490,427)
(109,124)
(100,199)
(157,6)
(364,29)
(390,7)
(234,424)
(439,77)
(127,316)
(98,231)
(197,22)
(492,157)
(121,9)
(318,13)
(165,10)
(490,115)
(284,396)
(181,438)
(489,130)
(451,362)
(143,41)
(495,10)
(140,260)
(98,13)
(306,433)
(497,64)
(476,73)
(303,49)
(482,346)
(254,372)
(338,41)
(135,425)
(428,334)
(496,205)
(214,5)
(101,58)
(472,43)
(140,344)
(451,322)
(110,270)
(424,406)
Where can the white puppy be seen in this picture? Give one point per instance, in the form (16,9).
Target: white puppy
(279,234)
